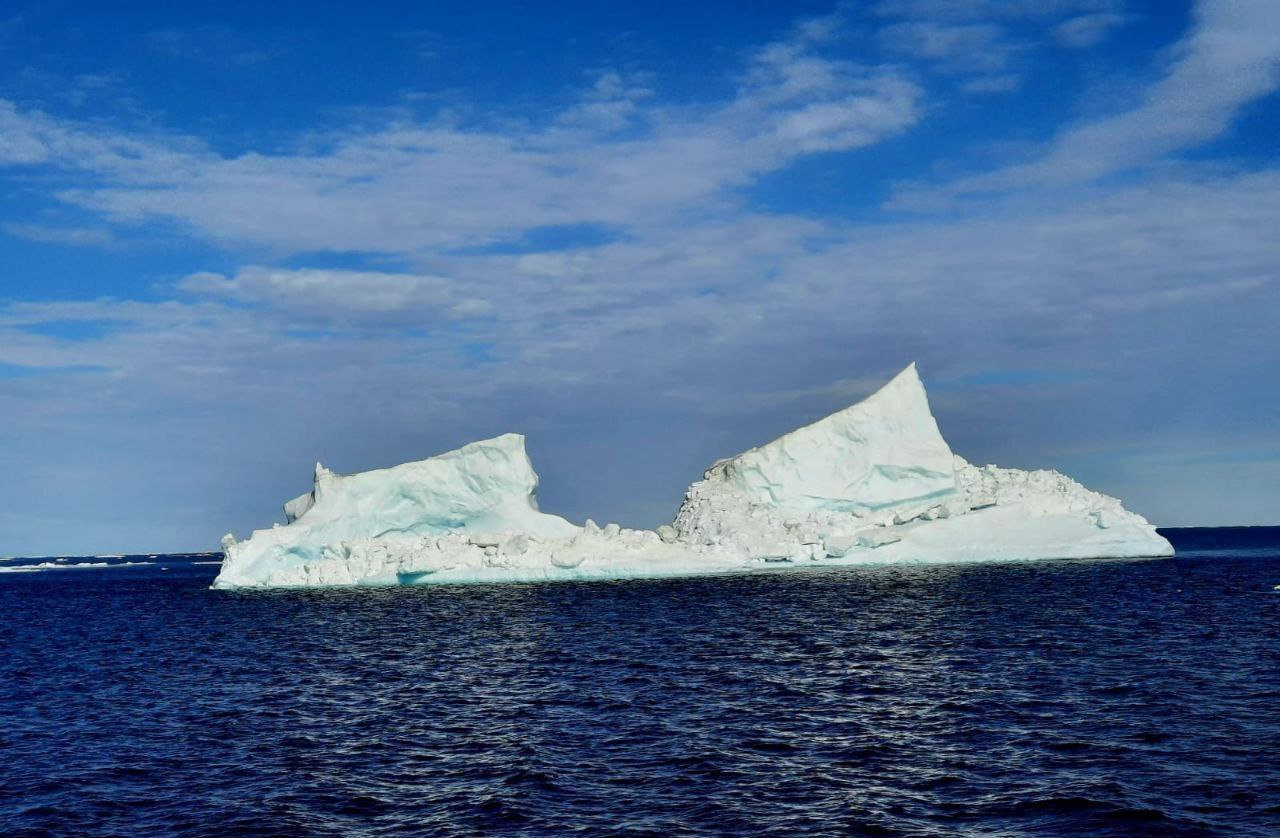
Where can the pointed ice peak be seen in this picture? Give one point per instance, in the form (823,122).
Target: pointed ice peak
(886,449)
(902,396)
(907,381)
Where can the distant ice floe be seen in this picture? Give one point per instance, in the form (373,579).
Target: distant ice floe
(42,566)
(872,484)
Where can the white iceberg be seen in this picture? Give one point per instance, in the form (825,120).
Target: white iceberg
(876,482)
(872,484)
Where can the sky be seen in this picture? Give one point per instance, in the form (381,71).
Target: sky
(238,240)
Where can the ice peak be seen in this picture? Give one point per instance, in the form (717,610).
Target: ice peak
(883,450)
(907,380)
(901,399)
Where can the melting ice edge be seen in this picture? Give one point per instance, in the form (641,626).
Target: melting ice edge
(874,483)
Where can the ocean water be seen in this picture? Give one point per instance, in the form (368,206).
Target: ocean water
(1049,698)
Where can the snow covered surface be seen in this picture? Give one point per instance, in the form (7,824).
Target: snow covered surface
(872,484)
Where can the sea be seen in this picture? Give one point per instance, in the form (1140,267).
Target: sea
(1121,697)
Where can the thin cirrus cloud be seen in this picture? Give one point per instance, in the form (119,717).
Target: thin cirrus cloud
(1007,10)
(985,42)
(1231,57)
(613,158)
(52,234)
(966,47)
(1088,30)
(354,296)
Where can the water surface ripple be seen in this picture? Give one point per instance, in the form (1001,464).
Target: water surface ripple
(1123,697)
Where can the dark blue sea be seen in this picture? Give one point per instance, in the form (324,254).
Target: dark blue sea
(1051,698)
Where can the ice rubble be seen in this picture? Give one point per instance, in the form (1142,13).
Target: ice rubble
(873,483)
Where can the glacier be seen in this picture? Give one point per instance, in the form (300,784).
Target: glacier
(874,483)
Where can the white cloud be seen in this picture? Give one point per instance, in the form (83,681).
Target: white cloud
(612,104)
(1230,57)
(992,41)
(616,158)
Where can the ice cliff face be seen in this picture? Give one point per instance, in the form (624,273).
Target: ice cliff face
(874,483)
(881,451)
(480,489)
(854,469)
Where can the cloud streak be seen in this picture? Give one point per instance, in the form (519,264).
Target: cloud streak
(1230,58)
(613,158)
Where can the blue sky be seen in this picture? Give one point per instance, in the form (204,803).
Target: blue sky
(237,241)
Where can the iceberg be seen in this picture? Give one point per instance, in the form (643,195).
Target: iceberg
(464,516)
(875,483)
